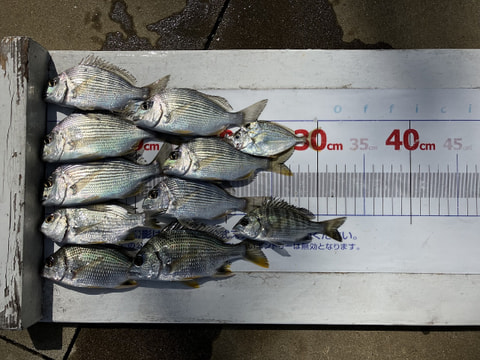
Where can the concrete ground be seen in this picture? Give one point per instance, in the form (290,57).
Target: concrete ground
(235,24)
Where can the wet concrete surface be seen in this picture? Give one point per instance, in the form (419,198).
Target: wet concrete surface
(282,24)
(235,24)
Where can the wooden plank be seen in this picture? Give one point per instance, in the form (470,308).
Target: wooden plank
(24,66)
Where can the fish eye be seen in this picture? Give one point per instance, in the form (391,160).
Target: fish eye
(174,155)
(247,126)
(237,137)
(50,261)
(153,194)
(48,183)
(50,218)
(53,82)
(146,105)
(48,139)
(139,260)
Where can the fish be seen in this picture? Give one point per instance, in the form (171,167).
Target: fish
(91,266)
(92,136)
(189,112)
(184,200)
(186,254)
(95,224)
(279,222)
(263,138)
(98,181)
(211,158)
(95,84)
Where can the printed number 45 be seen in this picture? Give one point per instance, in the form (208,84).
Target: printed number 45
(359,144)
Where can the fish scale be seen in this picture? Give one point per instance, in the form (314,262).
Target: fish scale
(97,181)
(213,159)
(95,84)
(187,106)
(278,222)
(178,254)
(92,224)
(100,84)
(188,199)
(90,137)
(89,266)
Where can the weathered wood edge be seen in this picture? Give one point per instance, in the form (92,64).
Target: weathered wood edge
(22,127)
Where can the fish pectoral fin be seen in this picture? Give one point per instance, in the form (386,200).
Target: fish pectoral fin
(80,184)
(129,284)
(191,283)
(83,229)
(87,267)
(224,271)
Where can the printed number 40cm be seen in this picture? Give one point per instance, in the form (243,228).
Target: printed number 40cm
(411,140)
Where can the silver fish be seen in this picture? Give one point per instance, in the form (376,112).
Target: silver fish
(95,182)
(214,159)
(189,112)
(190,199)
(92,136)
(278,222)
(264,138)
(180,254)
(101,223)
(89,267)
(95,84)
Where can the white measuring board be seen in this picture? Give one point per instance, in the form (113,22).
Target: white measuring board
(395,153)
(402,165)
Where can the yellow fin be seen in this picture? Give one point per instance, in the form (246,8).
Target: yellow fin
(224,271)
(254,254)
(191,283)
(127,284)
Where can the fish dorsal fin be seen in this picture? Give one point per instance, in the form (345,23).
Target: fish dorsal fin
(220,101)
(92,60)
(215,231)
(282,204)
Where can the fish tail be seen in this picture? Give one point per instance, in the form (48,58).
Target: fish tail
(277,165)
(252,112)
(154,220)
(158,86)
(330,228)
(163,154)
(254,254)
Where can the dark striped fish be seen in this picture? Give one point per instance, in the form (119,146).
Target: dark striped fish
(214,159)
(95,84)
(95,182)
(92,136)
(189,112)
(189,199)
(180,254)
(278,222)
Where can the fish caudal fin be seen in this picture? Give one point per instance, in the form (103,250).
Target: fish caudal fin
(277,164)
(158,86)
(252,112)
(154,220)
(254,254)
(330,228)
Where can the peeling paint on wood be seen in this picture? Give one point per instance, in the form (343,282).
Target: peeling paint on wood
(22,126)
